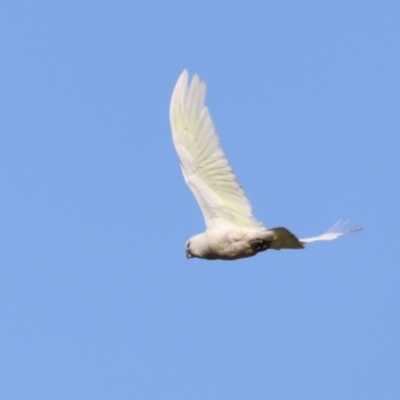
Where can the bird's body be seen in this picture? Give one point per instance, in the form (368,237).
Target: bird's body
(222,243)
(232,231)
(231,243)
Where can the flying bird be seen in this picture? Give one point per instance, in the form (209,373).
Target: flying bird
(232,231)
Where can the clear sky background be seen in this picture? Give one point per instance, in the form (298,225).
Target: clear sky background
(97,299)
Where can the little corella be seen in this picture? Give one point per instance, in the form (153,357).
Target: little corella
(232,231)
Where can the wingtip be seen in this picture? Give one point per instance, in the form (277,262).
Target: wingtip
(183,78)
(179,92)
(184,73)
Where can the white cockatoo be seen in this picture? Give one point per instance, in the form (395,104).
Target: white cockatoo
(232,231)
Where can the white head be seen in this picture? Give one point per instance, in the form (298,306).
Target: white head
(196,247)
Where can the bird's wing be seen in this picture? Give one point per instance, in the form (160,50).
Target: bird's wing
(204,165)
(339,229)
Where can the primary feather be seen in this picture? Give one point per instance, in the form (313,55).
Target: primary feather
(204,165)
(339,229)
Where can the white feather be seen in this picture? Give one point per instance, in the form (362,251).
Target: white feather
(204,165)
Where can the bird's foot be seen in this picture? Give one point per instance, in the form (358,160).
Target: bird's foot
(259,244)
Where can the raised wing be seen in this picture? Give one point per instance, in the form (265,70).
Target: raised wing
(204,165)
(339,229)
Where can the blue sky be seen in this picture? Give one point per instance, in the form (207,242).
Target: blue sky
(97,299)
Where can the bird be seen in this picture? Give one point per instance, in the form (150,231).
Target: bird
(232,232)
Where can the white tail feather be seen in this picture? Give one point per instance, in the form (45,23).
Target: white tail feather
(339,229)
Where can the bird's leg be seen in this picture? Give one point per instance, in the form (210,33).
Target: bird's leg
(259,244)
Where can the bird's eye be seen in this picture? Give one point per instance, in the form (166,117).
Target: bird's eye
(187,245)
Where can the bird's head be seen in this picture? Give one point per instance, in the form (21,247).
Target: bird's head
(188,250)
(195,247)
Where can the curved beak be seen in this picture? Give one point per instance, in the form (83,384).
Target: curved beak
(188,254)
